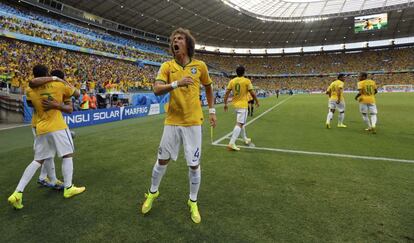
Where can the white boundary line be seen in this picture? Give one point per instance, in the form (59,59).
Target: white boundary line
(216,143)
(7,128)
(251,121)
(324,154)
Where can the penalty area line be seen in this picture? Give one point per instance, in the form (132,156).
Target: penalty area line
(324,154)
(251,121)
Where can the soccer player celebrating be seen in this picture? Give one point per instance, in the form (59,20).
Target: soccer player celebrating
(366,97)
(335,92)
(47,175)
(182,77)
(241,87)
(52,135)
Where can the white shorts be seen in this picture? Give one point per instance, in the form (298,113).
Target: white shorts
(47,145)
(364,108)
(241,116)
(172,138)
(333,105)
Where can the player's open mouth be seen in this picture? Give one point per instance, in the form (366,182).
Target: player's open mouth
(176,47)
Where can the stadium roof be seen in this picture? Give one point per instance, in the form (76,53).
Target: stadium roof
(281,10)
(215,23)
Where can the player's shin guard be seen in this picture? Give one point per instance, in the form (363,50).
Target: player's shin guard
(43,171)
(67,171)
(341,117)
(194,177)
(329,117)
(27,175)
(236,133)
(157,173)
(366,120)
(373,120)
(49,164)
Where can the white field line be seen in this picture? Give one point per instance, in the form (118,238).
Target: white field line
(251,121)
(7,128)
(324,154)
(216,143)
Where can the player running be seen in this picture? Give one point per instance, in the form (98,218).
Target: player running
(335,92)
(182,77)
(366,97)
(241,87)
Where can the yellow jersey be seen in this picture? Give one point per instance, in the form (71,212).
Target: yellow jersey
(184,106)
(240,87)
(335,88)
(249,96)
(51,120)
(367,89)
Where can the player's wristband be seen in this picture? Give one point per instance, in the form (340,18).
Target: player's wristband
(174,84)
(54,78)
(212,111)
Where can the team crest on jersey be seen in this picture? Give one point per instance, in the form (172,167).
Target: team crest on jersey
(193,70)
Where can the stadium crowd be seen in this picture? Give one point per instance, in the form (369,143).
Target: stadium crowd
(371,60)
(88,72)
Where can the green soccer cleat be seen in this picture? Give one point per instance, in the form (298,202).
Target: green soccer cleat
(73,191)
(373,130)
(368,129)
(328,126)
(195,215)
(16,200)
(147,205)
(232,147)
(247,141)
(58,185)
(342,125)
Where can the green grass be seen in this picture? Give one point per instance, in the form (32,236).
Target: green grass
(245,196)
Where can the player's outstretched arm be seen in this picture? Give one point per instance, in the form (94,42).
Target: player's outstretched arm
(254,96)
(36,82)
(161,88)
(226,97)
(54,105)
(210,101)
(359,94)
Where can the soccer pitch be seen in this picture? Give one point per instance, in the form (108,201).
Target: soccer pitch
(301,183)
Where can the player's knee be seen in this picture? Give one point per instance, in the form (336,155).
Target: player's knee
(67,156)
(163,161)
(342,112)
(240,124)
(40,161)
(194,167)
(333,110)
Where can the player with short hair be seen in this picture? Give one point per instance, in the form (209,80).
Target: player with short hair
(241,87)
(182,77)
(47,175)
(366,97)
(336,100)
(52,135)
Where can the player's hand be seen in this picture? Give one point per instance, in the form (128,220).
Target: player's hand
(226,108)
(213,120)
(50,104)
(185,82)
(257,104)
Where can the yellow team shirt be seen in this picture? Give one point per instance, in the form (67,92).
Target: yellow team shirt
(334,88)
(51,120)
(367,88)
(184,107)
(249,96)
(15,82)
(240,87)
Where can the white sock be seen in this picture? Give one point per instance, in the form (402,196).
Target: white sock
(67,171)
(374,119)
(157,173)
(236,133)
(341,117)
(329,117)
(43,171)
(49,164)
(27,175)
(366,120)
(243,133)
(194,177)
